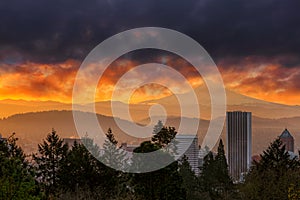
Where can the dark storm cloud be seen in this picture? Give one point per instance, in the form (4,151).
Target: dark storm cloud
(52,31)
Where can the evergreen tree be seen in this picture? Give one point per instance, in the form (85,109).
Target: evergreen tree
(114,158)
(273,176)
(225,184)
(82,175)
(215,175)
(79,169)
(157,128)
(189,179)
(294,190)
(164,136)
(140,163)
(222,174)
(52,153)
(207,176)
(276,156)
(163,184)
(16,177)
(91,146)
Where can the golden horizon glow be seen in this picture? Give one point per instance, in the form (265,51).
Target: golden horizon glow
(54,82)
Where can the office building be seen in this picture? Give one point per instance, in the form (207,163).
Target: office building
(287,140)
(239,133)
(188,145)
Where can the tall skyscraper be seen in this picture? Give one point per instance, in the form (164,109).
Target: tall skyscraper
(287,140)
(239,133)
(190,144)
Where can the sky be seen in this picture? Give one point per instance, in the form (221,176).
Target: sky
(255,44)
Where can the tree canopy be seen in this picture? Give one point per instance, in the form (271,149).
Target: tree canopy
(274,176)
(16,177)
(76,172)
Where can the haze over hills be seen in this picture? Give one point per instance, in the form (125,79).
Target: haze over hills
(235,101)
(140,111)
(31,128)
(10,107)
(264,130)
(32,125)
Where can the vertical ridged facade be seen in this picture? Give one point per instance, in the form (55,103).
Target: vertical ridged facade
(189,145)
(239,133)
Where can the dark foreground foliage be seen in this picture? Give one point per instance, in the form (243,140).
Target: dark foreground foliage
(61,172)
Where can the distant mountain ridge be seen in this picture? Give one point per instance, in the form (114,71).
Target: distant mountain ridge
(31,128)
(140,111)
(268,121)
(235,101)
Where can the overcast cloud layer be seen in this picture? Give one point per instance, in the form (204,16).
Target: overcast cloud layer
(259,39)
(56,30)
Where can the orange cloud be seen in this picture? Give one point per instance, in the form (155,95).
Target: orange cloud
(150,91)
(251,76)
(267,81)
(33,81)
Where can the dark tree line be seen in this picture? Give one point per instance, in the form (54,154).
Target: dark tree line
(275,176)
(17,178)
(61,172)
